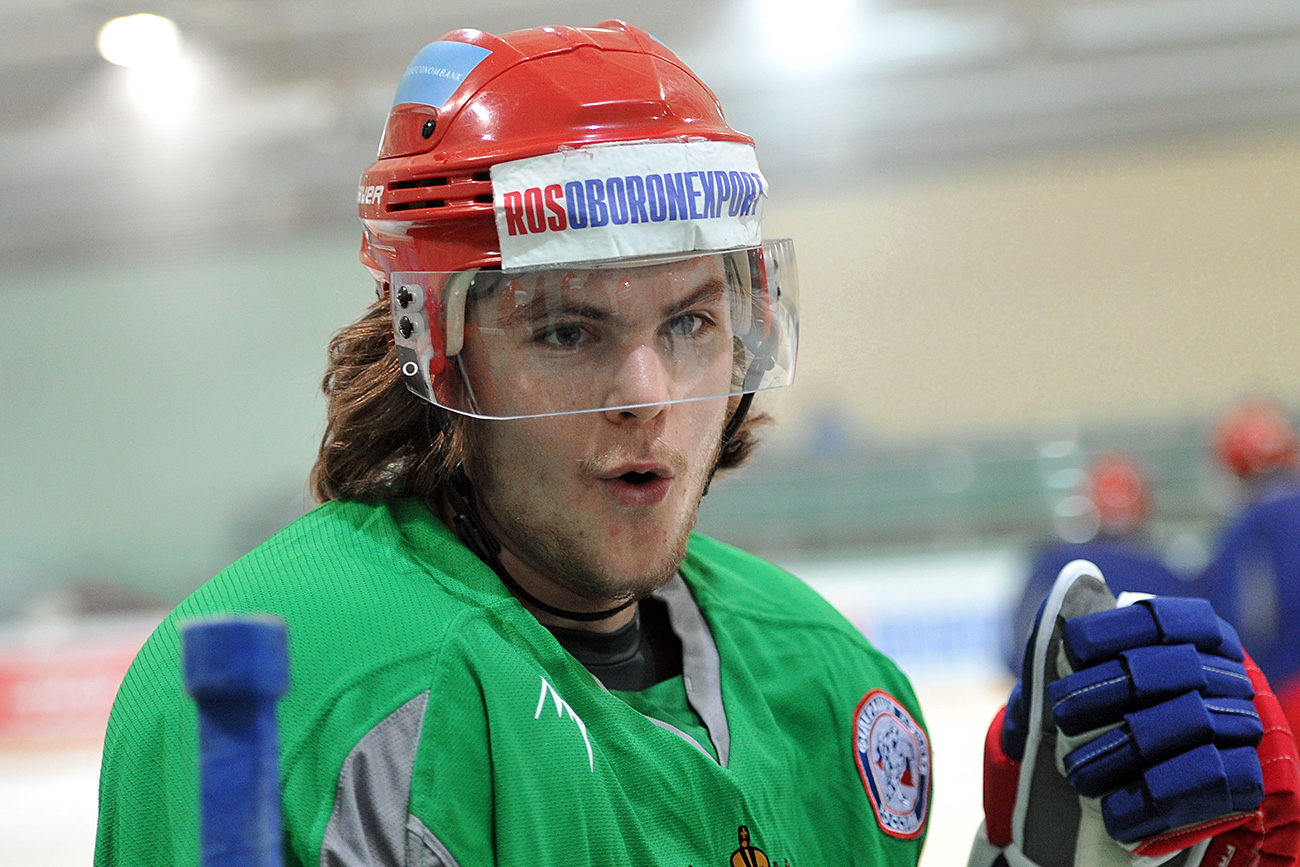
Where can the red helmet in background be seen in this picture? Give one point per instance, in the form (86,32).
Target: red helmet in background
(1255,437)
(1118,489)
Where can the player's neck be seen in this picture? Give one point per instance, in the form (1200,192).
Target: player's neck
(538,591)
(550,592)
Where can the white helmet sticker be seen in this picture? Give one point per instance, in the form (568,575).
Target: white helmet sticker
(617,201)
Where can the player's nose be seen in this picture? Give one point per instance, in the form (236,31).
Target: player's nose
(641,385)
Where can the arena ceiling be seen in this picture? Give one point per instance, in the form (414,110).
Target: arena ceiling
(279,106)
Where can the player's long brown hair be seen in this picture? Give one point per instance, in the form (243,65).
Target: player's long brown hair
(377,442)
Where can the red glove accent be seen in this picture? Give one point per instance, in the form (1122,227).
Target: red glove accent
(1288,694)
(1183,838)
(1001,778)
(1272,838)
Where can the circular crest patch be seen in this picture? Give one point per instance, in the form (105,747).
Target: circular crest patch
(893,756)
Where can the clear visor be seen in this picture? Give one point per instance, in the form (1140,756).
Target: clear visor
(497,345)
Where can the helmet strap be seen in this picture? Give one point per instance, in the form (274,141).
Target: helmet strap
(733,427)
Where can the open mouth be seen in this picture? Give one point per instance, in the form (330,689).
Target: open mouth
(634,478)
(646,486)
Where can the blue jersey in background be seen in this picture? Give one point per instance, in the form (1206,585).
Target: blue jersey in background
(1126,563)
(1254,579)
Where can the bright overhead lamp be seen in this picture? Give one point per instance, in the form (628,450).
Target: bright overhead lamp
(808,37)
(139,40)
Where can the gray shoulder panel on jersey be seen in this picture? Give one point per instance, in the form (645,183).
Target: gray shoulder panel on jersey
(423,849)
(371,822)
(701,665)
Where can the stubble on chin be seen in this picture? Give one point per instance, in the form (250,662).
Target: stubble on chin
(557,547)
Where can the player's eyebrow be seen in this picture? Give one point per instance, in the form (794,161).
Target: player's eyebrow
(709,292)
(543,305)
(546,306)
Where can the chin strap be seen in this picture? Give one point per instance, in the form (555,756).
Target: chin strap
(732,428)
(469,527)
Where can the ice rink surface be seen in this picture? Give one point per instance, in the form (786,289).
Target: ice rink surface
(47,807)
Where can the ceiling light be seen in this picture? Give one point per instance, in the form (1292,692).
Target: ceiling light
(139,40)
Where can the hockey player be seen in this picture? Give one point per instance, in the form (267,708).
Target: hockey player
(1254,577)
(507,646)
(1118,491)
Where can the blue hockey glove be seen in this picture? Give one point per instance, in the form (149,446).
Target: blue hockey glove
(1131,724)
(1165,678)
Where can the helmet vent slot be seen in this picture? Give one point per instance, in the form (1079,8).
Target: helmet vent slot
(417,183)
(415,206)
(452,192)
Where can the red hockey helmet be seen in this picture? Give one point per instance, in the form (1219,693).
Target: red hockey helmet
(1255,436)
(522,169)
(1118,489)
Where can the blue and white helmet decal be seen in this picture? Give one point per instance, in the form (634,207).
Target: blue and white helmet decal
(437,71)
(893,757)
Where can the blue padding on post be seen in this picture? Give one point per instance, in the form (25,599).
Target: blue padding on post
(236,669)
(246,656)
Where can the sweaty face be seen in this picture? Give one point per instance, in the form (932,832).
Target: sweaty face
(561,341)
(594,506)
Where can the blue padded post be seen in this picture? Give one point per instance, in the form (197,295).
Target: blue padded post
(236,669)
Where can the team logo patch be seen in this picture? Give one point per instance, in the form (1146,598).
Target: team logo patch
(893,756)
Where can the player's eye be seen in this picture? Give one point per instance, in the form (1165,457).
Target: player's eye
(562,336)
(686,325)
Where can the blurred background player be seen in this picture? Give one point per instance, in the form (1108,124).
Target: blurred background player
(1118,491)
(1253,579)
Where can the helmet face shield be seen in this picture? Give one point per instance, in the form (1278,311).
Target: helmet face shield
(603,337)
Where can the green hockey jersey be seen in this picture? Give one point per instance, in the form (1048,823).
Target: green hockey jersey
(431,721)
